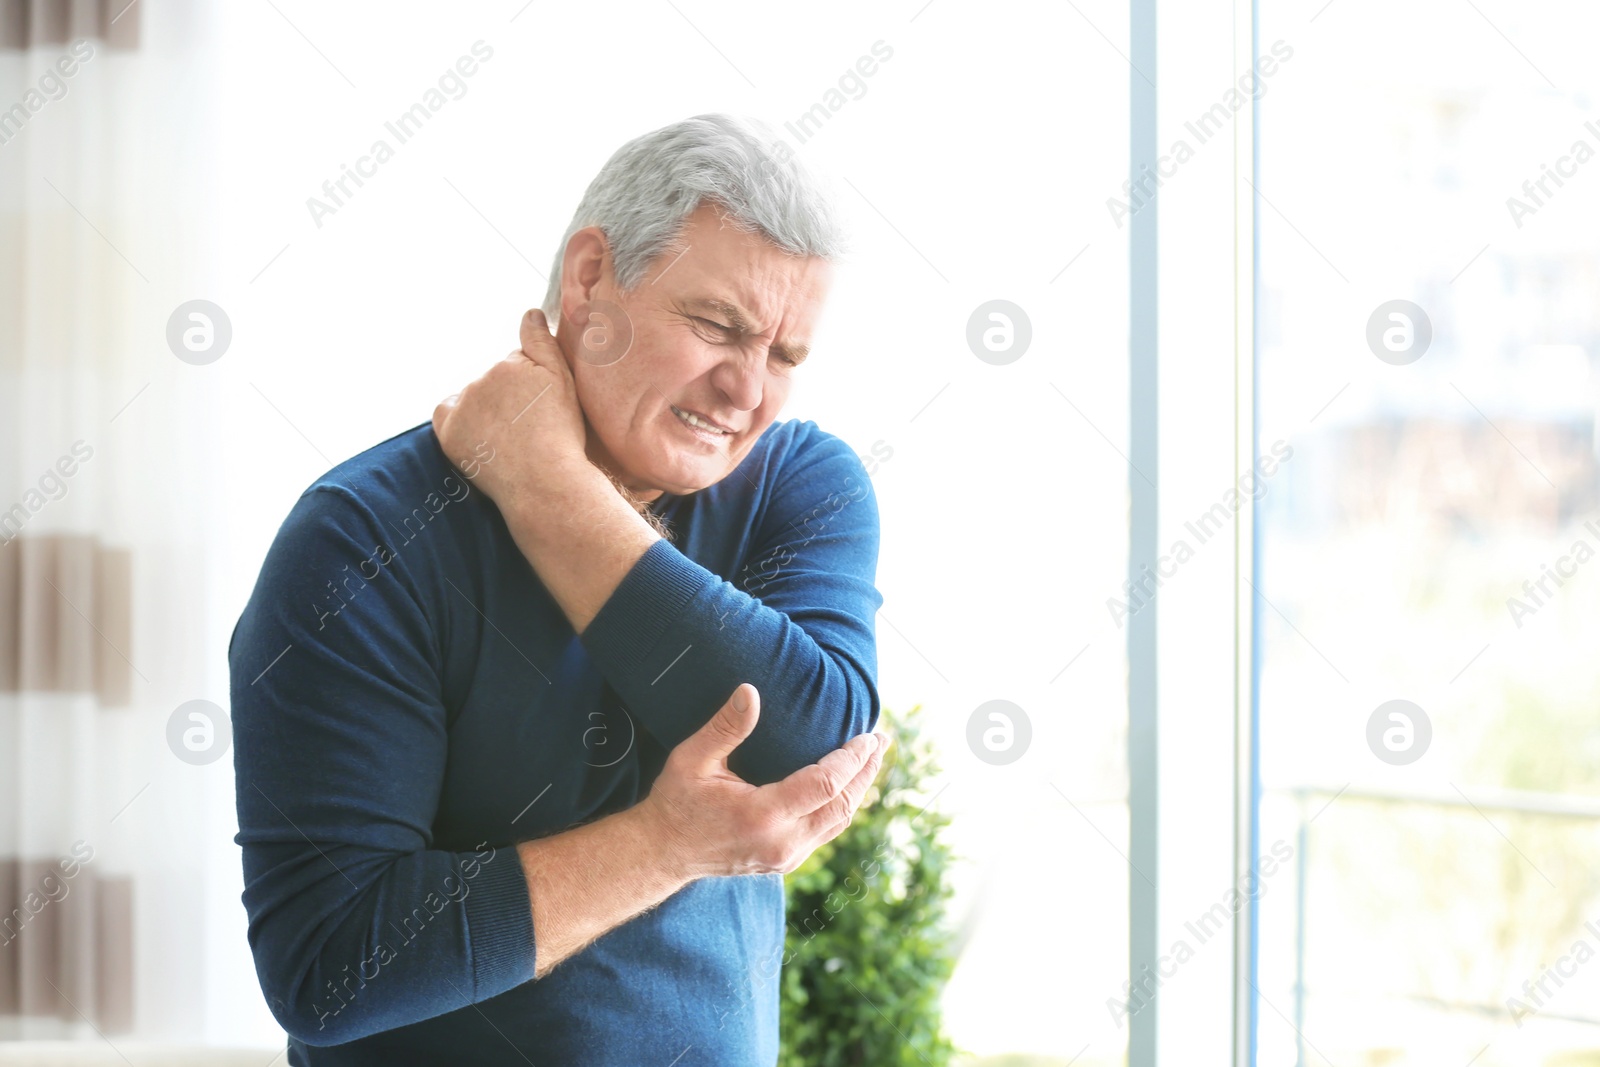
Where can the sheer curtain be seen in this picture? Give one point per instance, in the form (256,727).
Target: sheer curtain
(104,827)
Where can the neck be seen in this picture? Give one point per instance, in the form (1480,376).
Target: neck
(642,506)
(600,457)
(594,448)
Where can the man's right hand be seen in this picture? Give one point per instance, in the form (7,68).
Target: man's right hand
(700,819)
(719,824)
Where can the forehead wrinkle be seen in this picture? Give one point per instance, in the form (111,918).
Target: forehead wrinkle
(734,307)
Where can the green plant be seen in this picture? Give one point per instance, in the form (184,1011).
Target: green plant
(868,949)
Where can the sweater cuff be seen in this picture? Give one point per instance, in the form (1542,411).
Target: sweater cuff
(651,597)
(499,924)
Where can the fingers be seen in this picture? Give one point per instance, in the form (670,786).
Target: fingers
(885,739)
(727,729)
(810,788)
(841,808)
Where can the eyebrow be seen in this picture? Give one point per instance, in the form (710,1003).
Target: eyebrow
(739,321)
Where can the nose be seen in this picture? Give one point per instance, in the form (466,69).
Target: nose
(739,378)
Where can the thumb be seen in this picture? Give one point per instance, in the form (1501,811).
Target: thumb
(441,413)
(535,333)
(540,345)
(728,728)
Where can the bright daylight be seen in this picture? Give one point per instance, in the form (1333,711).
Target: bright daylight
(679,533)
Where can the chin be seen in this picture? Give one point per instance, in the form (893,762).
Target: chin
(681,480)
(682,483)
(673,470)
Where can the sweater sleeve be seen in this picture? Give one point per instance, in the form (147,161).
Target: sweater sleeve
(674,639)
(356,923)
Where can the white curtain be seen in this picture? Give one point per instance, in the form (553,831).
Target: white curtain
(105,447)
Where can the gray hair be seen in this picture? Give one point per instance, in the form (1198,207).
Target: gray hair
(646,191)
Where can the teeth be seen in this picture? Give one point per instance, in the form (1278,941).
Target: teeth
(695,420)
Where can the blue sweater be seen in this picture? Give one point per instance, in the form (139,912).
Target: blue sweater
(408,702)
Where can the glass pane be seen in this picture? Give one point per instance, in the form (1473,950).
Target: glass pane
(1428,326)
(1005,506)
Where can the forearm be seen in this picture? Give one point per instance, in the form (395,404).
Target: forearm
(585,881)
(675,639)
(581,538)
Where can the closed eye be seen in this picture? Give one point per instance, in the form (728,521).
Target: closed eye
(713,325)
(734,331)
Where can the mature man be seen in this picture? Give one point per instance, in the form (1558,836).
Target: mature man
(496,802)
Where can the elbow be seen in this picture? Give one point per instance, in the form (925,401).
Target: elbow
(808,723)
(317,1021)
(861,705)
(311,1008)
(302,1020)
(852,689)
(308,1031)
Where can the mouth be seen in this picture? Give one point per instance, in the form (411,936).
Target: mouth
(700,425)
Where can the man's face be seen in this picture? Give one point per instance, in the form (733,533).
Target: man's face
(717,332)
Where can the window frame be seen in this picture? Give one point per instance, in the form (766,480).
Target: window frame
(1193,260)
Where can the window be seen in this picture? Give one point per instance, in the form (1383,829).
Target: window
(1428,243)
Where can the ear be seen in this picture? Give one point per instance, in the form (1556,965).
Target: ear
(585,264)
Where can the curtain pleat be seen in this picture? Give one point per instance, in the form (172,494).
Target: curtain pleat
(34,23)
(65,603)
(68,949)
(66,943)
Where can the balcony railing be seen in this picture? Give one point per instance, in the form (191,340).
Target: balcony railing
(1312,800)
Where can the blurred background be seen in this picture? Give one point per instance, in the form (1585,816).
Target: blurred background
(1448,161)
(196,320)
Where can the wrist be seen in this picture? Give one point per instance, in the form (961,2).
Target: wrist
(663,839)
(562,490)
